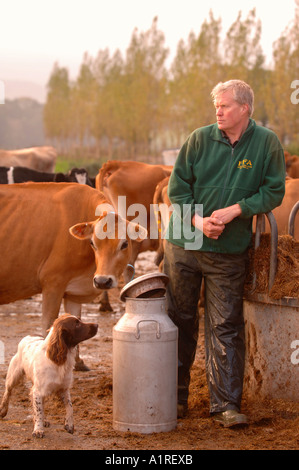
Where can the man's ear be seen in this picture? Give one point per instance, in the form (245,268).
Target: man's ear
(245,108)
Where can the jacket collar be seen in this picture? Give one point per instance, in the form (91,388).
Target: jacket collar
(216,133)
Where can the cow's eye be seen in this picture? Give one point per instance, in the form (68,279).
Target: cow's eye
(124,245)
(93,245)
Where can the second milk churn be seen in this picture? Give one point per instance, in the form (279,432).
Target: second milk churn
(145,359)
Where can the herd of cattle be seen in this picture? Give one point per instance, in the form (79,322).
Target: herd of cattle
(48,229)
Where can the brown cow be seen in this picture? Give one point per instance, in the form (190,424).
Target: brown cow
(55,245)
(136,181)
(292,166)
(162,206)
(282,212)
(37,158)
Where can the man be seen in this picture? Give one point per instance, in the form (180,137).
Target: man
(235,169)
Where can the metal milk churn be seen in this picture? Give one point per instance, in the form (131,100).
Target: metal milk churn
(145,360)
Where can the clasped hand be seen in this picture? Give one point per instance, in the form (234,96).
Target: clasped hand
(214,225)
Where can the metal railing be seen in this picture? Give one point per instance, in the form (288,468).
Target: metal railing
(260,227)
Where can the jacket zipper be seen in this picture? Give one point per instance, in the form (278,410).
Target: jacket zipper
(227,173)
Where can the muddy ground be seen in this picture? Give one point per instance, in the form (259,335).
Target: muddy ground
(274,424)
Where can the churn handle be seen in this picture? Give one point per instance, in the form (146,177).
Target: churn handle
(158,333)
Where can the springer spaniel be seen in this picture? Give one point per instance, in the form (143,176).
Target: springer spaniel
(49,364)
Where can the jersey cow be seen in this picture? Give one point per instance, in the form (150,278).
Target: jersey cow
(37,158)
(163,210)
(56,245)
(292,166)
(282,212)
(136,181)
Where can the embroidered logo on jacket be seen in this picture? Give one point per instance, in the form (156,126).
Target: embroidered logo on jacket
(245,164)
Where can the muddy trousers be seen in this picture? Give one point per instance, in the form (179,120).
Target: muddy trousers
(224,277)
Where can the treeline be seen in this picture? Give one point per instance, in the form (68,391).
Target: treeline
(136,106)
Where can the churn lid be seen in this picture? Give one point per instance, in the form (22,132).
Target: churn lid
(146,286)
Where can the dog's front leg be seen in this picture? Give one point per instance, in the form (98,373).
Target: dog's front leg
(69,419)
(38,413)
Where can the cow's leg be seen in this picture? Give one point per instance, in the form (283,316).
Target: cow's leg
(72,307)
(105,305)
(50,307)
(75,309)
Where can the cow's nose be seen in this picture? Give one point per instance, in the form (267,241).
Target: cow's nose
(103,282)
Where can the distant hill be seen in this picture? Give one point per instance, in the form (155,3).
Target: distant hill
(21,123)
(15,89)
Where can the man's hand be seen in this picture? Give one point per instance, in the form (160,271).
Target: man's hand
(227,214)
(212,227)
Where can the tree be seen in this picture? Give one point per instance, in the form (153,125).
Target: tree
(133,106)
(143,82)
(195,71)
(243,51)
(283,113)
(57,108)
(82,103)
(244,58)
(107,117)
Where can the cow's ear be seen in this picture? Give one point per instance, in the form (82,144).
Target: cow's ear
(136,232)
(82,231)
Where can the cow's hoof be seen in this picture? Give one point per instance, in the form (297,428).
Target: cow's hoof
(105,307)
(69,428)
(38,433)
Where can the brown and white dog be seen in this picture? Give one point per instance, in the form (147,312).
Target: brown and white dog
(49,364)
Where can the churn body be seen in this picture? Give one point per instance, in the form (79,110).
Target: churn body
(145,368)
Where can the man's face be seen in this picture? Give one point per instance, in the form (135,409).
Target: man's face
(230,114)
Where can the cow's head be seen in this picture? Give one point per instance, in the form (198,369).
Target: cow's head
(110,237)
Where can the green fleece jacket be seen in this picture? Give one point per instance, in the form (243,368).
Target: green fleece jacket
(209,171)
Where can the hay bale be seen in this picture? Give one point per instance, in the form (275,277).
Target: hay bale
(286,283)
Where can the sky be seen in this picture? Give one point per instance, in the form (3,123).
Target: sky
(34,34)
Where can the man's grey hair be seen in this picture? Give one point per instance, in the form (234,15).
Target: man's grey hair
(242,92)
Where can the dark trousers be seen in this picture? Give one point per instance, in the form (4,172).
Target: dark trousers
(224,277)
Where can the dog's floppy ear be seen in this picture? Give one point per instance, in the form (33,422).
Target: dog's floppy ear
(57,349)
